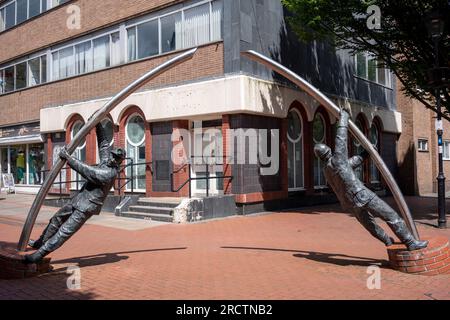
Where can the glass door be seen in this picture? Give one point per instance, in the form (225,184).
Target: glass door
(207,160)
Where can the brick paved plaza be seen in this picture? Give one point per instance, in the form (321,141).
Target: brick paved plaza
(316,253)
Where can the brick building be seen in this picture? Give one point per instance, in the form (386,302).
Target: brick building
(56,72)
(418,148)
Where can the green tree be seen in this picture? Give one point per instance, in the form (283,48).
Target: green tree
(401,43)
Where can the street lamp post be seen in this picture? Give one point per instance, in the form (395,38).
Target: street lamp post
(436,29)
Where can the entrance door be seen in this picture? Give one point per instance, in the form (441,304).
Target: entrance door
(135,136)
(295,151)
(207,160)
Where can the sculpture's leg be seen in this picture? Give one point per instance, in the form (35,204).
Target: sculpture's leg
(76,220)
(368,221)
(381,209)
(53,226)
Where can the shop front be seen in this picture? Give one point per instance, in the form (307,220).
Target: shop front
(22,155)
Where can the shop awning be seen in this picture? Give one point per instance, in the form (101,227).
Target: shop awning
(36,138)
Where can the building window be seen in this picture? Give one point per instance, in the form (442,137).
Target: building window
(24,74)
(21,75)
(80,154)
(295,151)
(148,39)
(36,164)
(135,136)
(18,11)
(375,139)
(184,28)
(83,57)
(369,68)
(319,136)
(10,15)
(446,151)
(422,145)
(102,52)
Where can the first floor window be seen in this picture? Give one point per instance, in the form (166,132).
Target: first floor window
(171,32)
(423,145)
(21,75)
(148,39)
(446,151)
(83,57)
(9,79)
(101,53)
(34,72)
(66,63)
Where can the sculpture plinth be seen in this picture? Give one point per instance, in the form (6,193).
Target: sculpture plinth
(431,261)
(13,266)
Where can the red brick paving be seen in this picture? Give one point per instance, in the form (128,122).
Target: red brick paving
(308,254)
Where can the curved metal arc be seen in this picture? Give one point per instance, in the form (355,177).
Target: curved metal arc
(335,110)
(92,122)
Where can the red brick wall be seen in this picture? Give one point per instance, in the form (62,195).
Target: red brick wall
(51,27)
(24,105)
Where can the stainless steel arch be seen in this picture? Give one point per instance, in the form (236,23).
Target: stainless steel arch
(333,109)
(99,115)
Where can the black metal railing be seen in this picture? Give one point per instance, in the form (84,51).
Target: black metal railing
(129,180)
(190,179)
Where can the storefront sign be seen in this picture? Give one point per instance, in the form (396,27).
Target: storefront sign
(20,130)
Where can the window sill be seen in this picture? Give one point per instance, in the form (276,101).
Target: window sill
(373,82)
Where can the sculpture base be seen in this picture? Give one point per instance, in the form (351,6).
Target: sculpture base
(13,266)
(431,261)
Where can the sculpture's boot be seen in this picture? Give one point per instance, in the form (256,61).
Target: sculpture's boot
(36,257)
(35,244)
(416,244)
(401,230)
(389,242)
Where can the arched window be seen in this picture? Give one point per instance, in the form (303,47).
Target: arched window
(295,151)
(319,136)
(135,137)
(375,139)
(80,154)
(358,149)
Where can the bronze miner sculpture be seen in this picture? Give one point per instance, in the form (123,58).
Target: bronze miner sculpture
(355,196)
(86,203)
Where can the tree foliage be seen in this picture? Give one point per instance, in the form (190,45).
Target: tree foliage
(402,43)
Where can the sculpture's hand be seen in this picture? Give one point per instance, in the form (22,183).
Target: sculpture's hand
(63,154)
(346,108)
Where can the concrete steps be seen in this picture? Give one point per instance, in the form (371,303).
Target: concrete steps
(155,209)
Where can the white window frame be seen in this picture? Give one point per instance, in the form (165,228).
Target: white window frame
(419,145)
(446,149)
(301,140)
(368,56)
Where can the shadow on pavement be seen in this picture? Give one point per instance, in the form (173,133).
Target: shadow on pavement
(106,258)
(330,258)
(48,286)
